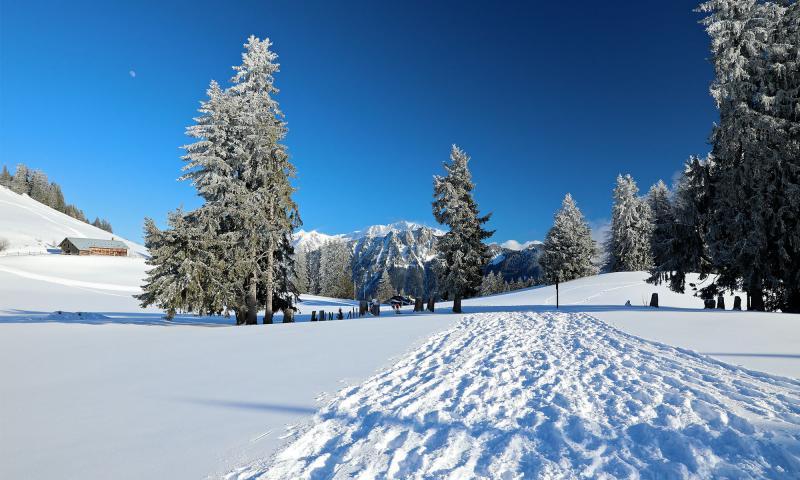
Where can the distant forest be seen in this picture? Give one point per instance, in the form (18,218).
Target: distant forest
(35,184)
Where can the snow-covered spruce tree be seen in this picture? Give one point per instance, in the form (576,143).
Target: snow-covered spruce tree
(384,290)
(300,274)
(21,182)
(780,102)
(5,177)
(268,212)
(336,270)
(568,247)
(40,188)
(58,197)
(754,53)
(242,172)
(683,247)
(462,249)
(185,270)
(628,242)
(663,219)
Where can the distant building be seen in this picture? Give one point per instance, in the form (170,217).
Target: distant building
(93,246)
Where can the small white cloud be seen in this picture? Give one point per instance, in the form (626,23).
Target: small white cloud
(132,73)
(515,245)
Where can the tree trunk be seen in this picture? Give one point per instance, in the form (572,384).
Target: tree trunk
(757,300)
(251,301)
(269,285)
(457,303)
(793,301)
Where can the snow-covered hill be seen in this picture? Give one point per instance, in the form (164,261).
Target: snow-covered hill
(31,227)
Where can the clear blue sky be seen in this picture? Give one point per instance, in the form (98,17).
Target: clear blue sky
(547,97)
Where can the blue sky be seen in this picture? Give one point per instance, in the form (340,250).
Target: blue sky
(547,98)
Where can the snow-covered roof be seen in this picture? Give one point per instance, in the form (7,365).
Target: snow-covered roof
(87,243)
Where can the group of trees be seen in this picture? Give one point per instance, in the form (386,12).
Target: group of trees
(36,185)
(233,253)
(493,283)
(736,214)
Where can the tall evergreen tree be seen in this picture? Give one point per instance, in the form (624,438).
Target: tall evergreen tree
(682,247)
(568,247)
(40,188)
(384,290)
(336,270)
(752,230)
(21,182)
(628,243)
(301,272)
(58,197)
(5,177)
(462,247)
(663,220)
(242,171)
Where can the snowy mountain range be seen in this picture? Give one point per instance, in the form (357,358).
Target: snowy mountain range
(406,251)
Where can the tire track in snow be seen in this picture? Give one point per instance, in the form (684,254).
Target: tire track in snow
(550,395)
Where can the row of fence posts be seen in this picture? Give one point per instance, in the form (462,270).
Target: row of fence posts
(364,307)
(708,303)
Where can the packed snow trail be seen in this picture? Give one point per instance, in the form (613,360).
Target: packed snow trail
(550,395)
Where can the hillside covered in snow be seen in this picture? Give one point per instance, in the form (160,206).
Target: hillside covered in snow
(31,227)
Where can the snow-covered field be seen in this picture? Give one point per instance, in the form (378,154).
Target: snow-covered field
(550,395)
(93,386)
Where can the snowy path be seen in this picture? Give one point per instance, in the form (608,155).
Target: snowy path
(550,395)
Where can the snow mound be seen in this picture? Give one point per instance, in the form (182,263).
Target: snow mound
(73,316)
(550,395)
(31,227)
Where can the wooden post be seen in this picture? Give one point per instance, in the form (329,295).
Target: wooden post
(313,315)
(556,293)
(737,302)
(322,315)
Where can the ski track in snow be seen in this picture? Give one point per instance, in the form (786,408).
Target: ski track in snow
(70,282)
(549,395)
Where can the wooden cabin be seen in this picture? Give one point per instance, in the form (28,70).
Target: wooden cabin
(93,246)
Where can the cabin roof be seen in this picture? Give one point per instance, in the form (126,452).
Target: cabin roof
(87,243)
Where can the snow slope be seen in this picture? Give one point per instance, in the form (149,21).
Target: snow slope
(550,395)
(32,227)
